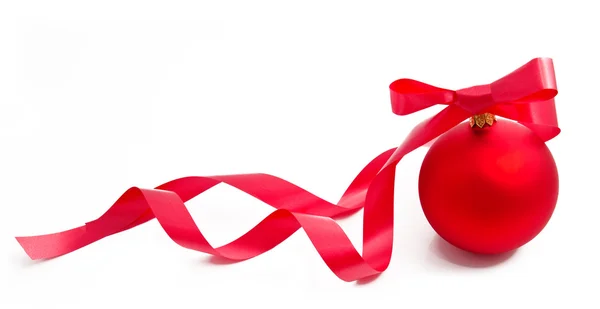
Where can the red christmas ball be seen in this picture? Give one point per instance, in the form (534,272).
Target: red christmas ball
(488,190)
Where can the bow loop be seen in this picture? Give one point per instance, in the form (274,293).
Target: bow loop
(532,82)
(409,96)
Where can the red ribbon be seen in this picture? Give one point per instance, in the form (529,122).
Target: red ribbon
(525,95)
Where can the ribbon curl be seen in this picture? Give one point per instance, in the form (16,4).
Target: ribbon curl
(525,95)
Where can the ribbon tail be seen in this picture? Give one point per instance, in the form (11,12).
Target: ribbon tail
(296,208)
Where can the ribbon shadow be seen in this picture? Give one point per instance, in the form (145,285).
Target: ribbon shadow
(218,260)
(367,280)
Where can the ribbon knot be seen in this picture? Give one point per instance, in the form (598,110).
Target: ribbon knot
(476,99)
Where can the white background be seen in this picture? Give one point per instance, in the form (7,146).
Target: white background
(99,96)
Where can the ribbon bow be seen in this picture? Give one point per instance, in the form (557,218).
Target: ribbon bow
(525,95)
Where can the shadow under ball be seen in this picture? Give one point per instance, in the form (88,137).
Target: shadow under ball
(488,190)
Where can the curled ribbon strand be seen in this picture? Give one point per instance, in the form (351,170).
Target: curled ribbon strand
(525,95)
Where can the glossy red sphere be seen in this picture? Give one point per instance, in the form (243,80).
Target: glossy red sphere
(488,190)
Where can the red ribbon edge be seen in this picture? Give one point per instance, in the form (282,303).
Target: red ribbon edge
(525,95)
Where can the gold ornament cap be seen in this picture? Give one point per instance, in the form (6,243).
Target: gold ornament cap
(482,119)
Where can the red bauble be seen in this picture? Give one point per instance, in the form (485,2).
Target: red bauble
(488,190)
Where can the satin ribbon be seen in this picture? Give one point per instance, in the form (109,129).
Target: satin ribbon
(525,95)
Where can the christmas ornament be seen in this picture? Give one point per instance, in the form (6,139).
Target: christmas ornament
(525,95)
(488,187)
